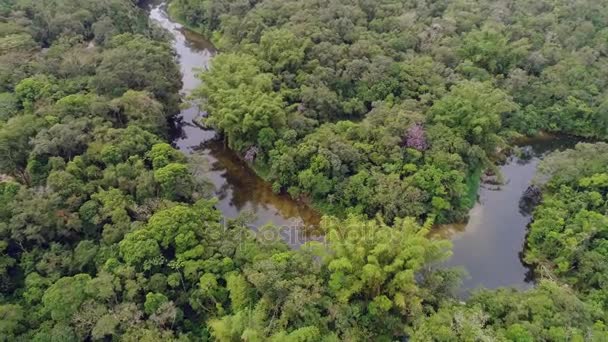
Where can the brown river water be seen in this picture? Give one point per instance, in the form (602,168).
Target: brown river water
(238,189)
(488,247)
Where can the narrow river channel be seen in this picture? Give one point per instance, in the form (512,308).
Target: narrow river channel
(488,247)
(238,189)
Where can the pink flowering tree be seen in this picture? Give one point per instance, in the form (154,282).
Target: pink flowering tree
(415,137)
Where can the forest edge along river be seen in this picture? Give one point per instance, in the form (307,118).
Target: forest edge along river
(238,189)
(488,247)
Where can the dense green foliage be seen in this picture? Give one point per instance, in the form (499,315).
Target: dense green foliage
(566,244)
(569,235)
(328,90)
(108,233)
(547,313)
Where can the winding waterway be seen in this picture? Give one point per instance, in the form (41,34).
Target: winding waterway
(488,247)
(238,189)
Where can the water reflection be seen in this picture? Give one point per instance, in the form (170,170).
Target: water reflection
(242,190)
(239,190)
(489,247)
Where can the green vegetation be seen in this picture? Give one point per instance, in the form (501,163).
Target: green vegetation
(569,236)
(382,112)
(328,92)
(548,313)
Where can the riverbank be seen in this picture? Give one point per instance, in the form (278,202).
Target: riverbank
(175,16)
(240,191)
(490,246)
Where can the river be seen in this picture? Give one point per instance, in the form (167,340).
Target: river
(238,189)
(488,247)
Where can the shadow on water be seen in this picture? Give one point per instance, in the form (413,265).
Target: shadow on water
(238,189)
(490,245)
(242,190)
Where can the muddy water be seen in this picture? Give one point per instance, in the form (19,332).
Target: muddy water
(489,247)
(238,189)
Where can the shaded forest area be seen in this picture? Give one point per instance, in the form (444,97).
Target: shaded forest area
(368,107)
